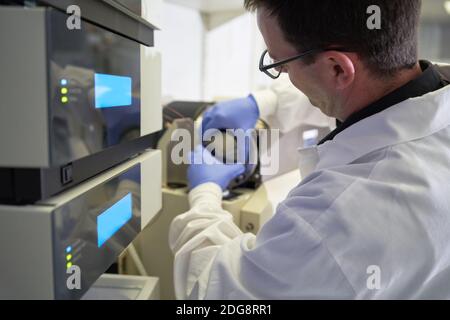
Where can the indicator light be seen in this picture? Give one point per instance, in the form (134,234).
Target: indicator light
(64,91)
(64,82)
(64,99)
(69,257)
(447,6)
(69,265)
(69,249)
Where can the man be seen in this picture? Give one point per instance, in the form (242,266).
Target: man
(371,219)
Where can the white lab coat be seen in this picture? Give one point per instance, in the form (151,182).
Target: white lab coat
(371,220)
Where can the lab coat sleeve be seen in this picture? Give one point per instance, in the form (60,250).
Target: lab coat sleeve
(215,260)
(285,107)
(196,236)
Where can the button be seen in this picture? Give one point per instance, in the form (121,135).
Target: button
(66,174)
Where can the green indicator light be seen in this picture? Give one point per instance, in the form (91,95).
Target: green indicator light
(69,265)
(64,99)
(69,257)
(64,90)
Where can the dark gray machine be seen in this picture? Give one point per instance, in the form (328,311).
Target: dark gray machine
(87,227)
(75,134)
(71,99)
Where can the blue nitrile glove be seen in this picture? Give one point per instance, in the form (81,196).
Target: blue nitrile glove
(206,168)
(233,114)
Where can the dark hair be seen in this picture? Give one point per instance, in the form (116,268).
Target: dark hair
(320,24)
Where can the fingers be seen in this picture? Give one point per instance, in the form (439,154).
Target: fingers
(239,169)
(207,117)
(217,118)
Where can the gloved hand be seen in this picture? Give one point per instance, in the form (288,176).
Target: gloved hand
(233,114)
(206,168)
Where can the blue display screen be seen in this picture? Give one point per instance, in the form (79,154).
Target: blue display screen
(114,218)
(112,91)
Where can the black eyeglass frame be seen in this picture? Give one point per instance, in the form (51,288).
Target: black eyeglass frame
(266,69)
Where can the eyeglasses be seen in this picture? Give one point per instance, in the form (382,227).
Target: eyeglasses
(274,68)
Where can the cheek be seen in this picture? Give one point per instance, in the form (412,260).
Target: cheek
(308,87)
(298,80)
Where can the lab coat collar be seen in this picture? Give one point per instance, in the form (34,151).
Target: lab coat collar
(409,120)
(429,80)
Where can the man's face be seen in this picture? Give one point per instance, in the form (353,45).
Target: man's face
(303,77)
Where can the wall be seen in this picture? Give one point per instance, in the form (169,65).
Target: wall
(208,57)
(232,57)
(181,45)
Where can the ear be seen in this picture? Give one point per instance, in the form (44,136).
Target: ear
(339,69)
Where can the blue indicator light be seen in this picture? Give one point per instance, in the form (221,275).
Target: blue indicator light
(112,91)
(114,218)
(64,82)
(69,249)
